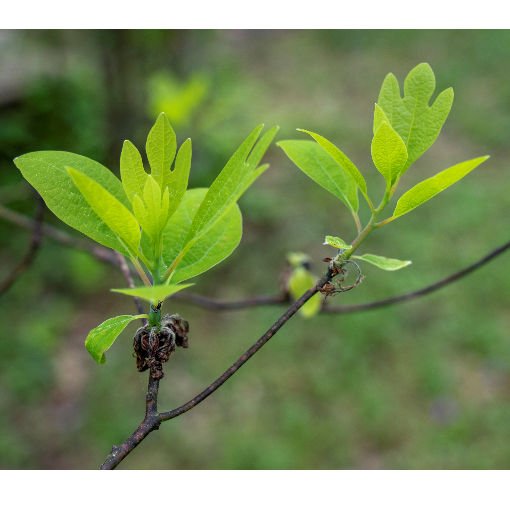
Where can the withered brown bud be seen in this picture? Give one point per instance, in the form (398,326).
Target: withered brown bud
(153,345)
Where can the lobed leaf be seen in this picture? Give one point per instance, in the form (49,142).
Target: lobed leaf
(417,123)
(389,153)
(160,147)
(46,172)
(102,337)
(132,172)
(154,294)
(118,217)
(317,164)
(205,252)
(383,262)
(429,188)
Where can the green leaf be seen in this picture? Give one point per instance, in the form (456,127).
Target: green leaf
(298,259)
(379,117)
(383,262)
(177,179)
(415,121)
(337,243)
(101,338)
(239,172)
(389,152)
(46,172)
(206,251)
(341,159)
(300,281)
(109,209)
(160,147)
(429,188)
(132,173)
(155,294)
(317,164)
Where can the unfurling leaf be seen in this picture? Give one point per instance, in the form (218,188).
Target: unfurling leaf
(389,153)
(383,262)
(160,147)
(337,242)
(429,188)
(155,294)
(317,164)
(101,338)
(300,281)
(132,172)
(46,171)
(417,123)
(109,209)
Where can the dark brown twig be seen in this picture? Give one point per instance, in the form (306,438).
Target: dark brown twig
(33,248)
(153,419)
(225,306)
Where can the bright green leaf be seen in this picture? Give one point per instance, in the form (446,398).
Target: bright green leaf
(155,294)
(415,121)
(132,173)
(300,281)
(317,164)
(160,147)
(379,117)
(429,188)
(109,209)
(340,158)
(101,338)
(46,172)
(337,243)
(230,184)
(206,251)
(389,152)
(177,179)
(383,262)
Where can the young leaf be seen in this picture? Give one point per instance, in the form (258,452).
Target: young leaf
(46,172)
(379,117)
(383,262)
(317,164)
(299,282)
(389,153)
(177,180)
(155,294)
(239,172)
(341,159)
(337,243)
(101,338)
(160,147)
(109,209)
(415,121)
(206,251)
(429,188)
(132,173)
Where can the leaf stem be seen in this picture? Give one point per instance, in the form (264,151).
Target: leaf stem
(141,272)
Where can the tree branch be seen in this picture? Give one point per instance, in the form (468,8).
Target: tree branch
(153,419)
(33,248)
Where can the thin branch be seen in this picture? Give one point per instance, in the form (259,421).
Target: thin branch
(153,419)
(33,248)
(409,296)
(222,305)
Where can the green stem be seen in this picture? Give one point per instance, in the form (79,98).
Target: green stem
(141,272)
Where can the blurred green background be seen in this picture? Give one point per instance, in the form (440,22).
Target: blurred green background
(421,385)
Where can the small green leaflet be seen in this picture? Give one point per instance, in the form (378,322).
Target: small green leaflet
(132,172)
(239,172)
(46,172)
(160,147)
(341,159)
(429,188)
(317,164)
(383,262)
(337,243)
(206,251)
(415,121)
(155,294)
(101,338)
(300,281)
(389,153)
(109,209)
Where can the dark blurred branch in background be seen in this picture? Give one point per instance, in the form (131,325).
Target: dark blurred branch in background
(33,248)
